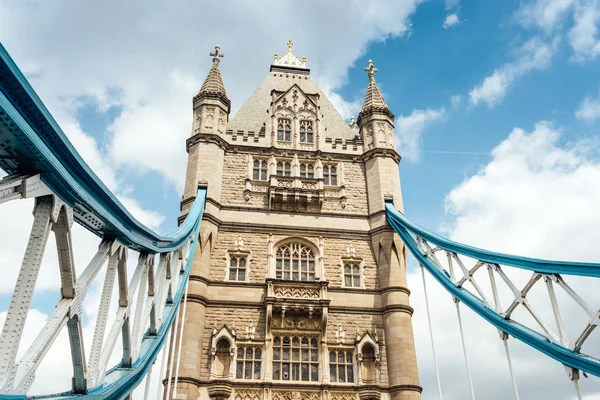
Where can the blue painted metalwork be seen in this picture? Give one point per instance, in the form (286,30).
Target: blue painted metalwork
(531,264)
(541,343)
(32,142)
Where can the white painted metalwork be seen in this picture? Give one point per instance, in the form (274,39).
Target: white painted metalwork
(152,290)
(517,296)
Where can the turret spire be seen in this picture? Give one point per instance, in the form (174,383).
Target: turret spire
(373,97)
(375,120)
(213,83)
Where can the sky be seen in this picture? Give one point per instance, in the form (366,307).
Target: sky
(497,108)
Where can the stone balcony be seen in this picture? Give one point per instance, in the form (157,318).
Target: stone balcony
(297,305)
(294,193)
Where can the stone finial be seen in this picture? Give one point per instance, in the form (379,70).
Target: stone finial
(216,54)
(275,57)
(290,44)
(352,123)
(371,70)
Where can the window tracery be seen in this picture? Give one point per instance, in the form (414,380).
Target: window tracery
(295,261)
(352,273)
(238,264)
(330,175)
(307,170)
(260,170)
(296,358)
(248,362)
(284,129)
(284,168)
(341,365)
(306,131)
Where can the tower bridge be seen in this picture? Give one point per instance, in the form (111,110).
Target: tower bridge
(286,277)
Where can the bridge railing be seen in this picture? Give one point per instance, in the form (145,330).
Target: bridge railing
(42,164)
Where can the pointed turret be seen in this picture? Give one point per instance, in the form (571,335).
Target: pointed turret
(211,104)
(375,120)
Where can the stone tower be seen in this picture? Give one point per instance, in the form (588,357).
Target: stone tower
(298,289)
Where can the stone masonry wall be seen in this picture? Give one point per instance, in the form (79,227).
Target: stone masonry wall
(235,170)
(257,244)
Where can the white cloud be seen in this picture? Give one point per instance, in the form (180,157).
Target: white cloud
(409,130)
(589,109)
(553,16)
(535,54)
(535,197)
(145,64)
(583,37)
(451,20)
(545,14)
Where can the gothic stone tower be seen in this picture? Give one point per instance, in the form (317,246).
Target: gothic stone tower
(298,288)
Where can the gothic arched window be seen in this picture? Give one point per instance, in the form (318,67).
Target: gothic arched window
(222,358)
(306,131)
(284,168)
(329,175)
(259,170)
(307,170)
(368,364)
(295,261)
(284,129)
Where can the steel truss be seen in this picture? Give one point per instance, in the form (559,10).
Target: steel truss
(456,267)
(141,323)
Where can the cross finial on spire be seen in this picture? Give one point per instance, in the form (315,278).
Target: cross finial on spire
(217,53)
(290,44)
(371,69)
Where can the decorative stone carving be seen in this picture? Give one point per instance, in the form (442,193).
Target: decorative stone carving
(285,395)
(309,185)
(239,243)
(247,394)
(342,396)
(294,322)
(297,292)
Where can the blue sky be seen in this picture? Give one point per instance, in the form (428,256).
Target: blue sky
(497,108)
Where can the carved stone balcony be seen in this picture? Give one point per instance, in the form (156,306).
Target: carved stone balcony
(297,293)
(295,193)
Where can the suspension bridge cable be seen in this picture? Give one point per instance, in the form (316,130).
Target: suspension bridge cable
(147,386)
(435,363)
(575,378)
(163,368)
(185,298)
(172,360)
(510,366)
(462,338)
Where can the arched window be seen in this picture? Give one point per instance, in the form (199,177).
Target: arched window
(295,261)
(307,170)
(284,168)
(329,175)
(222,358)
(306,131)
(284,129)
(368,364)
(259,170)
